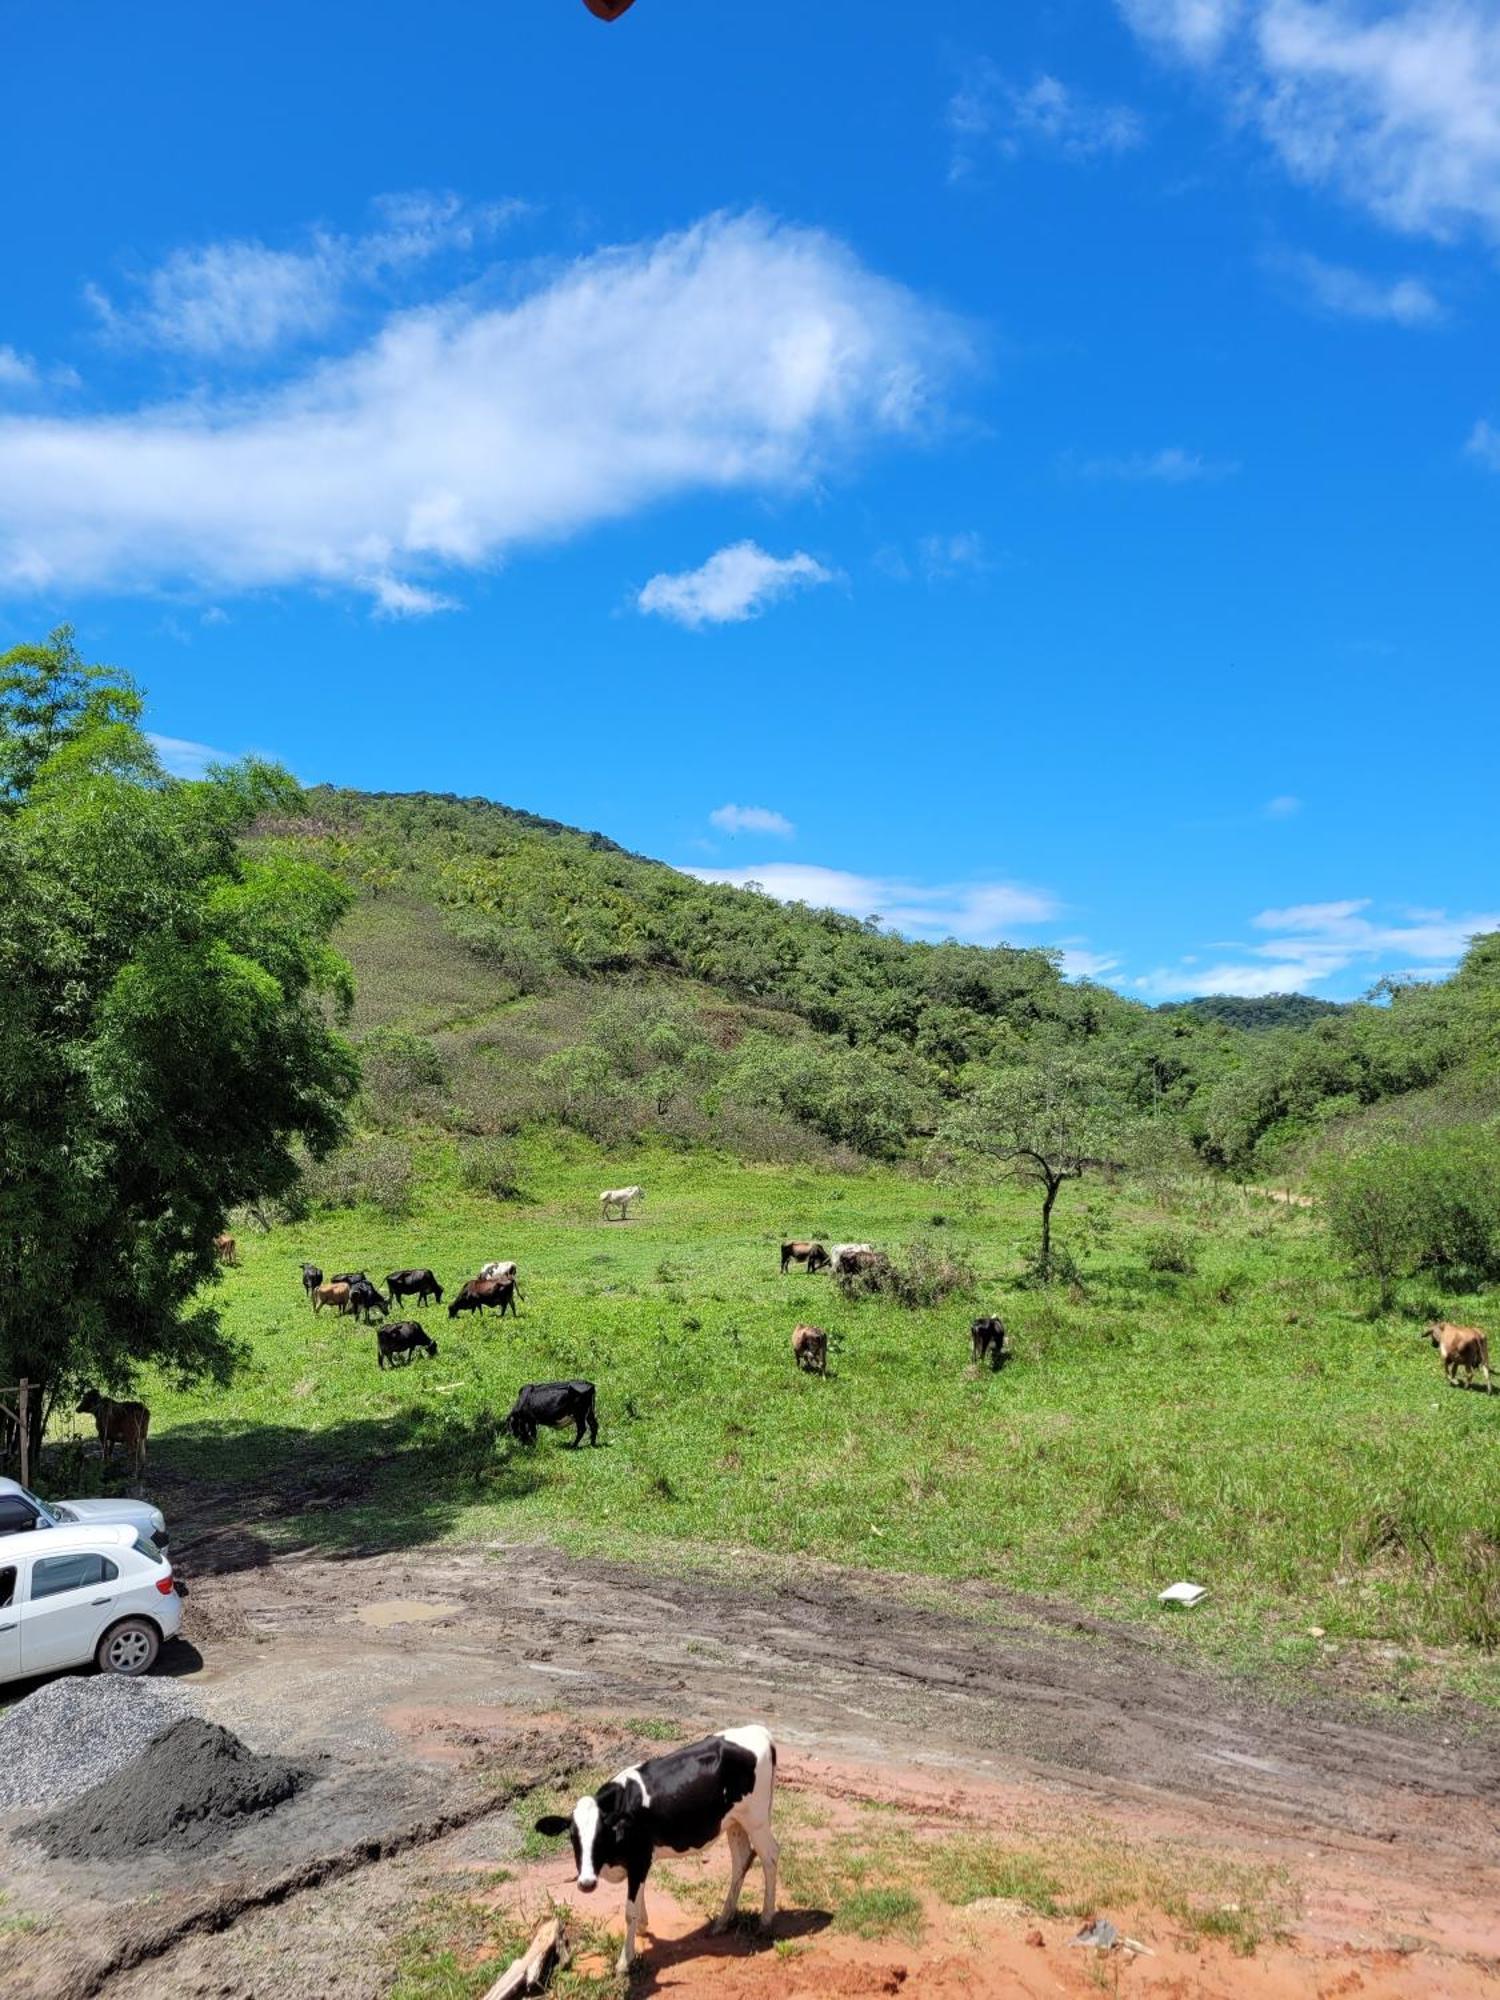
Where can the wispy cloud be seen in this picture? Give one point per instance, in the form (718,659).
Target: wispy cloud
(979,912)
(1171,466)
(244,299)
(737,583)
(1283,806)
(1337,290)
(17,371)
(1396,108)
(1309,943)
(993,113)
(944,557)
(752,819)
(1484,444)
(184,759)
(739,354)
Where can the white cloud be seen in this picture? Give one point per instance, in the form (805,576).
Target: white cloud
(1169,467)
(978,912)
(1484,444)
(1283,806)
(1080,963)
(1314,942)
(244,299)
(752,819)
(17,371)
(738,354)
(1395,107)
(989,112)
(946,556)
(1334,288)
(737,583)
(184,759)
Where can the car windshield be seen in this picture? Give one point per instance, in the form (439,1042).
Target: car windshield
(48,1517)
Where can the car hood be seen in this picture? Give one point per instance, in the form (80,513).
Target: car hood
(138,1514)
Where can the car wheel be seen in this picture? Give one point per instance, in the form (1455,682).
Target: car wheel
(129,1648)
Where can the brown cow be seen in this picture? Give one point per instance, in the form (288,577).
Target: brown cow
(1462,1347)
(810,1349)
(118,1423)
(226,1250)
(481,1292)
(813,1255)
(336,1294)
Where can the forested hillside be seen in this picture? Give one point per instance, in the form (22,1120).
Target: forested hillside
(514,971)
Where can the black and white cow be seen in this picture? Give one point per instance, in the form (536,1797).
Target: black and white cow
(555,1404)
(681,1801)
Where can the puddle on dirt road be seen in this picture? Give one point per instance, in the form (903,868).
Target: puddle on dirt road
(405,1611)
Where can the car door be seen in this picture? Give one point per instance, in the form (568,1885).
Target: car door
(10,1622)
(67,1607)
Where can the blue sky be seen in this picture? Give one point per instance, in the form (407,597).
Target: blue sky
(1024,477)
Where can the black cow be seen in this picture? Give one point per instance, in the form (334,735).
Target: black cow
(478,1293)
(987,1338)
(365,1301)
(312,1277)
(396,1345)
(350,1278)
(420,1285)
(554,1404)
(682,1801)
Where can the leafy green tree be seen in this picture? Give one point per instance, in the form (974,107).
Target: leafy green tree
(1045,1122)
(1372,1208)
(164,1041)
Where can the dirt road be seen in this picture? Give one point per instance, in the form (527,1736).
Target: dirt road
(446,1666)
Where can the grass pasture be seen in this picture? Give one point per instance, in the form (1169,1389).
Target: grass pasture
(1247,1425)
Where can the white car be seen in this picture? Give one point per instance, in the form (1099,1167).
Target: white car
(20,1509)
(69,1595)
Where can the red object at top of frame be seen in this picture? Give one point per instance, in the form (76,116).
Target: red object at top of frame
(607,10)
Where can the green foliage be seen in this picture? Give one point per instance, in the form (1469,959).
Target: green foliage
(371,1173)
(919,1276)
(163,1043)
(1170,1251)
(1394,1208)
(487,1167)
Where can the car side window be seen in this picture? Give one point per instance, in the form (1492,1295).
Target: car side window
(7,1586)
(51,1574)
(16,1514)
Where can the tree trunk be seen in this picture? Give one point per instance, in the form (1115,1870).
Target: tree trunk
(1047,1200)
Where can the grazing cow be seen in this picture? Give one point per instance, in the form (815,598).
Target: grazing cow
(396,1345)
(847,1258)
(810,1349)
(118,1423)
(481,1292)
(621,1198)
(554,1404)
(1463,1347)
(681,1801)
(987,1338)
(334,1293)
(418,1284)
(312,1277)
(813,1255)
(226,1250)
(506,1270)
(366,1301)
(350,1278)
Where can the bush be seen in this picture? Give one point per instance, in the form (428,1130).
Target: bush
(1171,1250)
(922,1275)
(1393,1208)
(484,1167)
(374,1174)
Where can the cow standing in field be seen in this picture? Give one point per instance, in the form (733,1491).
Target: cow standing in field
(365,1301)
(226,1250)
(810,1349)
(335,1293)
(418,1284)
(312,1277)
(621,1198)
(987,1340)
(118,1423)
(396,1346)
(499,1270)
(1462,1347)
(681,1801)
(813,1255)
(554,1404)
(850,1258)
(498,1293)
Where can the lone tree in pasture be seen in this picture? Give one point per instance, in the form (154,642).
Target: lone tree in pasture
(164,1039)
(1046,1121)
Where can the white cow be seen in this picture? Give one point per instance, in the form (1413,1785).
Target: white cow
(848,1257)
(498,1270)
(621,1198)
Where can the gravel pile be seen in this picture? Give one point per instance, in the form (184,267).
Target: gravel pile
(73,1734)
(189,1789)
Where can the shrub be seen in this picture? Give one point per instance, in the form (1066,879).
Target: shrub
(922,1275)
(488,1168)
(1171,1250)
(376,1174)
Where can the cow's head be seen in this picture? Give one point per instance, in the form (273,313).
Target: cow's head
(88,1402)
(521,1427)
(600,1830)
(429,1343)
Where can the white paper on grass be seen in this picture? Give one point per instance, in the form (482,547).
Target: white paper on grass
(1182,1593)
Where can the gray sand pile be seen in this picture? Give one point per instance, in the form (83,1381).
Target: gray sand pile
(189,1789)
(73,1734)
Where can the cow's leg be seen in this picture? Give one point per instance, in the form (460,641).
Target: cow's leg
(578,1434)
(634,1913)
(740,1850)
(593,1423)
(768,1849)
